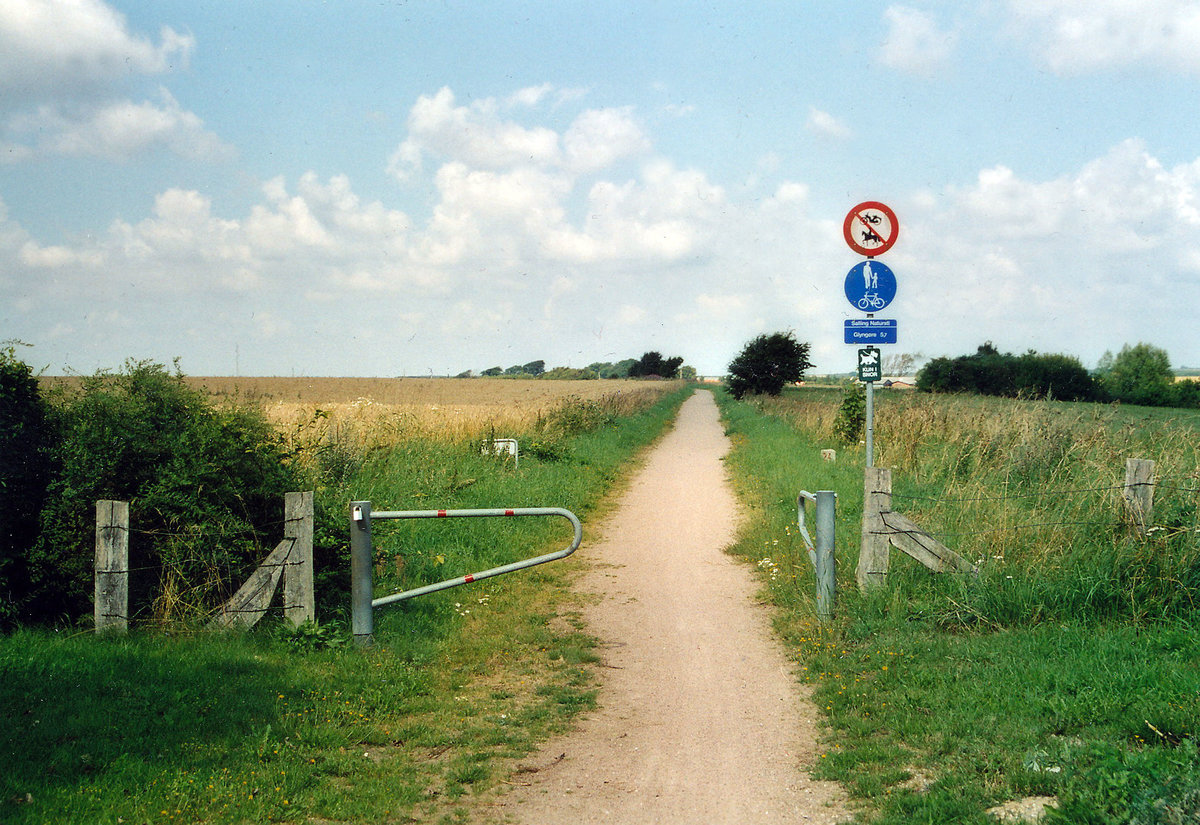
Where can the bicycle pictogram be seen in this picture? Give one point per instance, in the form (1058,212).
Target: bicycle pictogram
(870,286)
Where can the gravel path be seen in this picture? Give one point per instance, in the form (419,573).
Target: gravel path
(700,718)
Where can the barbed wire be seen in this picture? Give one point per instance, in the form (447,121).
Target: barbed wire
(1006,497)
(1012,528)
(1158,485)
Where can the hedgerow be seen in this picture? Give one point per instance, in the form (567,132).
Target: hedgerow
(205,486)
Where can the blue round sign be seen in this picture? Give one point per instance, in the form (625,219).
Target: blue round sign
(870,286)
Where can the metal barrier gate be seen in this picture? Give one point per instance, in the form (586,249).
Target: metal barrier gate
(362,601)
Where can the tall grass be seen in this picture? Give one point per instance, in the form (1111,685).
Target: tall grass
(1032,492)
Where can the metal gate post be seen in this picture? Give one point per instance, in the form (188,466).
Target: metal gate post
(821,554)
(826,563)
(362,618)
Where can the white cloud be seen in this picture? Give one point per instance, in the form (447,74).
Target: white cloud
(64,65)
(119,130)
(600,137)
(1077,36)
(914,43)
(530,95)
(474,135)
(477,136)
(826,125)
(46,45)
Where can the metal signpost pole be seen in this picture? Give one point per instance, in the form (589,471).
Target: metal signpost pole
(870,424)
(871,228)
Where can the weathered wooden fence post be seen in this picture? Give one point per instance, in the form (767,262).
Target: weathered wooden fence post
(1139,492)
(299,600)
(872,567)
(112,567)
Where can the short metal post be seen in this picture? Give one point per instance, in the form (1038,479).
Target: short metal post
(826,563)
(362,619)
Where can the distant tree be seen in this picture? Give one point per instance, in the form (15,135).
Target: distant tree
(569,374)
(652,363)
(901,363)
(492,372)
(1141,374)
(621,368)
(687,373)
(991,372)
(534,368)
(767,363)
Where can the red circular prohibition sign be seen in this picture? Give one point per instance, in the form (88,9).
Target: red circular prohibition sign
(871,228)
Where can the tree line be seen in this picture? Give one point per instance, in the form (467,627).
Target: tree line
(1138,374)
(651,364)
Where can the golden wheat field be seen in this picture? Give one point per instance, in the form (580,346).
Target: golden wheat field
(382,409)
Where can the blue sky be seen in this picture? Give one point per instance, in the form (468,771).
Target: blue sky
(310,188)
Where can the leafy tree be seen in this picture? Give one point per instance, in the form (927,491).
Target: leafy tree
(26,439)
(652,363)
(492,372)
(534,368)
(1141,374)
(767,363)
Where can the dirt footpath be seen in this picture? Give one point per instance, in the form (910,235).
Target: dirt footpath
(700,718)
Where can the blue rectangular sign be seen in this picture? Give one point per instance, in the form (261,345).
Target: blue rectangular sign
(871,331)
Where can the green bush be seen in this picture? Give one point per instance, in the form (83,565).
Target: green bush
(851,417)
(25,439)
(205,487)
(991,372)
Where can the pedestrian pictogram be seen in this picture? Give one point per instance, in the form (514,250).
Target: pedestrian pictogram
(871,228)
(870,286)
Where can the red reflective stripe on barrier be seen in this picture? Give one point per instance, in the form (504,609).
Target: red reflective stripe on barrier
(510,512)
(468,579)
(441,513)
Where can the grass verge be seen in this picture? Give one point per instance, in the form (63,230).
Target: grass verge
(944,699)
(284,725)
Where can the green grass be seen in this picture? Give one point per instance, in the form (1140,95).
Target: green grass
(1070,667)
(292,726)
